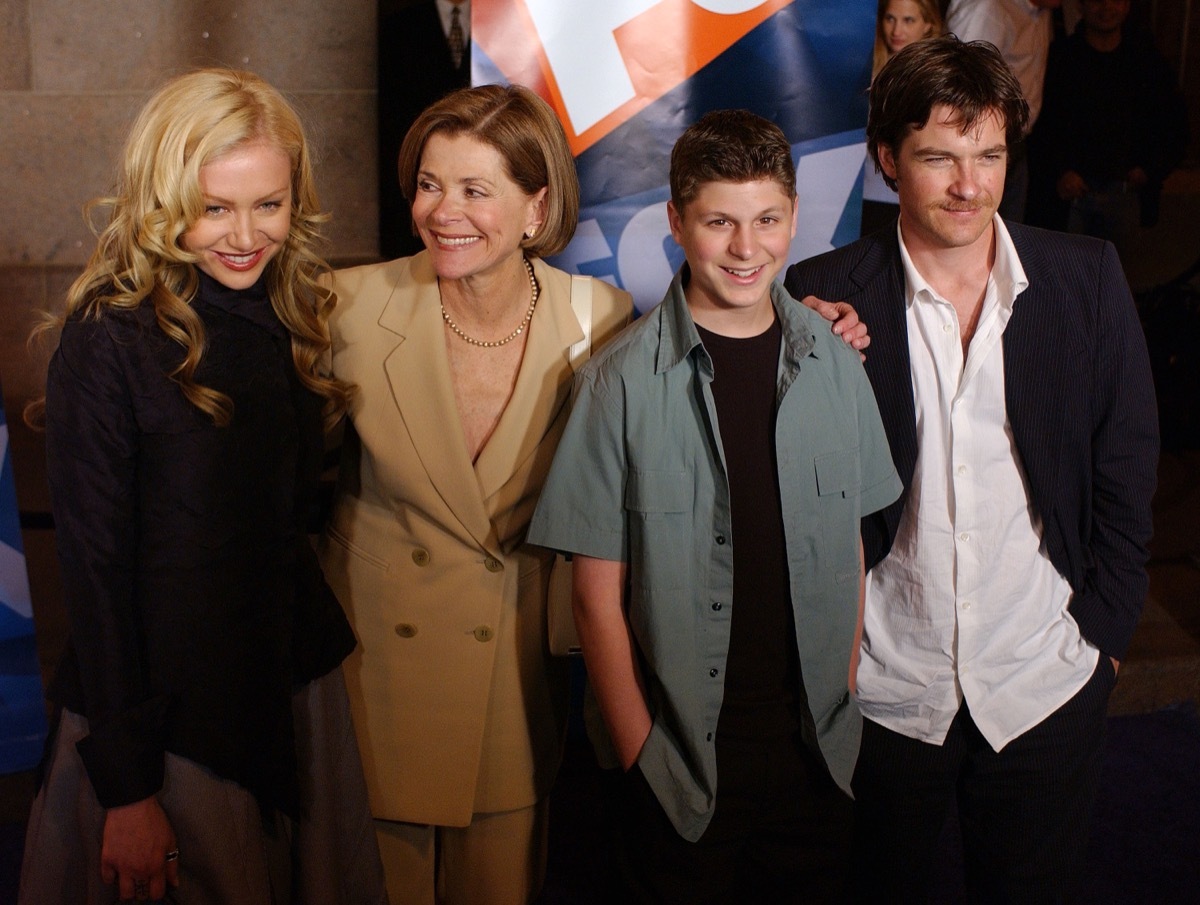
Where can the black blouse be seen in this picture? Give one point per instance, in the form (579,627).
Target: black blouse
(195,601)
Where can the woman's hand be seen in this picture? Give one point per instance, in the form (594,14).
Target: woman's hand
(137,838)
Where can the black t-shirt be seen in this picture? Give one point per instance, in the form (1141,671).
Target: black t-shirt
(762,677)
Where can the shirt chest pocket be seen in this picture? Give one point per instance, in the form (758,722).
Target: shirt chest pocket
(659,506)
(839,484)
(837,473)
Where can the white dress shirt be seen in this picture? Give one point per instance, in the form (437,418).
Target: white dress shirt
(1020,30)
(967,605)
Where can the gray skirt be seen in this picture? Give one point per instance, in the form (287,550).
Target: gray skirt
(226,857)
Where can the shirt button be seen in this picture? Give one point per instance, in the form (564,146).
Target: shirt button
(964,537)
(966,605)
(406,630)
(962,469)
(720,540)
(713,672)
(420,557)
(709,737)
(483,633)
(716,605)
(946,328)
(493,565)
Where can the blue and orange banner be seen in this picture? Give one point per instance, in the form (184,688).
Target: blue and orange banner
(628,76)
(22,712)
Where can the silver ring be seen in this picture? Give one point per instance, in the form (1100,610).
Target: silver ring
(173,855)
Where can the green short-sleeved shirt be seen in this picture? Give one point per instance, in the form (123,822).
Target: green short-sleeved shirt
(639,477)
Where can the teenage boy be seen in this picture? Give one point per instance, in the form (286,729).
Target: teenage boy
(1005,584)
(709,484)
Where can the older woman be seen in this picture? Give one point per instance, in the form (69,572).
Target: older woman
(460,355)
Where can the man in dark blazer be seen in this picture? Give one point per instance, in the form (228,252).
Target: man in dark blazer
(1005,583)
(417,66)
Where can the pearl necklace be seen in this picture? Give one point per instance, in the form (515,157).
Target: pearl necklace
(534,291)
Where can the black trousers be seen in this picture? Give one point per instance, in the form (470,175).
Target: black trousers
(1024,811)
(780,833)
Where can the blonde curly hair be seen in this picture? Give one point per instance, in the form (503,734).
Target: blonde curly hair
(190,121)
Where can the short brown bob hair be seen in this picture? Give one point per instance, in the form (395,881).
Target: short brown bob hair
(730,146)
(525,131)
(971,78)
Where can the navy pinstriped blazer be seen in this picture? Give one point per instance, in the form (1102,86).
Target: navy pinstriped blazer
(1079,397)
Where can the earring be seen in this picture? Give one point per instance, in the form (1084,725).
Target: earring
(531,232)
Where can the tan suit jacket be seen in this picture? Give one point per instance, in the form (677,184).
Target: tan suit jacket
(458,707)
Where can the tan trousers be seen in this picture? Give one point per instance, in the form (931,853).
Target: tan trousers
(499,859)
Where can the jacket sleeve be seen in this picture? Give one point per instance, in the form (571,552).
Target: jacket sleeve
(92,443)
(1123,465)
(321,635)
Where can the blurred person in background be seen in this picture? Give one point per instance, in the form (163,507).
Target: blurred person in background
(1113,127)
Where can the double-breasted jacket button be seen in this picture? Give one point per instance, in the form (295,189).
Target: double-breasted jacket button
(493,565)
(484,633)
(406,629)
(420,556)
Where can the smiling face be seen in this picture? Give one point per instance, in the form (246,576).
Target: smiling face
(470,213)
(949,184)
(735,236)
(247,213)
(903,23)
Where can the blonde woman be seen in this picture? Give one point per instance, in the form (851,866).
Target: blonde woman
(900,22)
(202,740)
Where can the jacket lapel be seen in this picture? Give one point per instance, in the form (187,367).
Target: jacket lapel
(419,376)
(542,387)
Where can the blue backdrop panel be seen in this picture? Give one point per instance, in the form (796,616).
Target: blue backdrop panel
(22,715)
(806,68)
